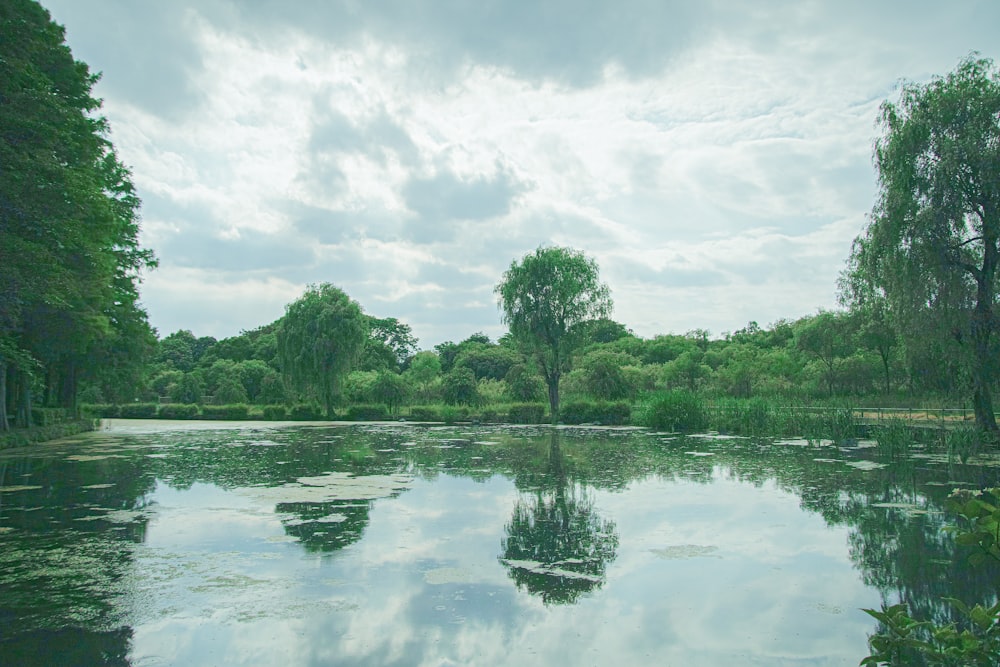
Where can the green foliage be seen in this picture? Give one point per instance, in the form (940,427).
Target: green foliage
(526,413)
(230,390)
(607,413)
(306,412)
(321,338)
(138,411)
(102,410)
(70,257)
(676,410)
(962,442)
(524,384)
(931,247)
(545,299)
(424,368)
(50,416)
(460,387)
(391,390)
(274,412)
(238,412)
(177,411)
(605,376)
(188,389)
(367,413)
(454,413)
(894,439)
(901,637)
(425,413)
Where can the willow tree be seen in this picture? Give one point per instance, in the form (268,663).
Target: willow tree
(931,246)
(320,339)
(545,299)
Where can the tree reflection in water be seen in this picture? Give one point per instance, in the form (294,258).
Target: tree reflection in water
(555,545)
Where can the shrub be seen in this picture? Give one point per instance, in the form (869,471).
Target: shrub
(453,413)
(677,410)
(236,412)
(49,416)
(595,412)
(274,412)
(178,411)
(306,412)
(425,413)
(526,413)
(461,387)
(102,410)
(367,413)
(138,411)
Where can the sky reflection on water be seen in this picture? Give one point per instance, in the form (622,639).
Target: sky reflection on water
(750,554)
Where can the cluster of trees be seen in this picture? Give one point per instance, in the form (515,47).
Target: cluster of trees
(69,220)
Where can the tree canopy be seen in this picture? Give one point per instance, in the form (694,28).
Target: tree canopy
(931,245)
(320,339)
(544,299)
(69,222)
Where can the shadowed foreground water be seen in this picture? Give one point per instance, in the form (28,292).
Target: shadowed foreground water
(171,543)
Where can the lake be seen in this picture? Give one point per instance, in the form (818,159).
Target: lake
(254,543)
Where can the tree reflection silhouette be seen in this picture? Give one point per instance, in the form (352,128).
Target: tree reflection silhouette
(555,545)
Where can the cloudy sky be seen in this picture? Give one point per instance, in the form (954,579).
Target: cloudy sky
(714,157)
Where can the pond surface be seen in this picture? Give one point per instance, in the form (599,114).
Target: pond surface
(171,543)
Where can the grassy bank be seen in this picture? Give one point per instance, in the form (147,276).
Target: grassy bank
(23,437)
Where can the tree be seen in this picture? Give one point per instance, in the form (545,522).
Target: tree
(424,368)
(69,220)
(826,336)
(931,245)
(543,298)
(320,339)
(460,387)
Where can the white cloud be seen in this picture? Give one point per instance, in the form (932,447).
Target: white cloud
(714,159)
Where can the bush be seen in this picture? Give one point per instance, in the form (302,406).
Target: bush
(676,410)
(425,413)
(274,412)
(452,413)
(178,411)
(138,411)
(49,416)
(526,413)
(102,410)
(237,412)
(610,413)
(306,412)
(367,413)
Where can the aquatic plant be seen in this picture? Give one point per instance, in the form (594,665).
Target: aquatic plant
(903,639)
(894,439)
(676,410)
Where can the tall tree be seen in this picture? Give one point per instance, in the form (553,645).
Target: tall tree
(320,339)
(69,216)
(931,246)
(544,299)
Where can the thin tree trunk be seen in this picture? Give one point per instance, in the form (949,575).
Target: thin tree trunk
(982,332)
(4,426)
(23,418)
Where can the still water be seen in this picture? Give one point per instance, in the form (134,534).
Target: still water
(171,543)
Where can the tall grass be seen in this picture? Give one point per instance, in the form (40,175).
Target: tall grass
(760,417)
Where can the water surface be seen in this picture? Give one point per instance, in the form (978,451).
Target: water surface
(168,543)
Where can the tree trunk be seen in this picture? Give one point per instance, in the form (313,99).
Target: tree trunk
(982,332)
(67,388)
(23,416)
(4,426)
(982,377)
(552,381)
